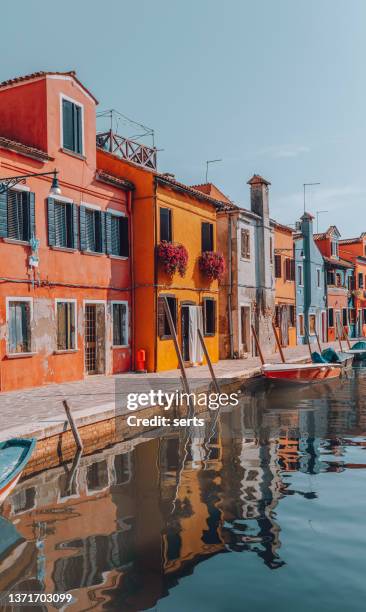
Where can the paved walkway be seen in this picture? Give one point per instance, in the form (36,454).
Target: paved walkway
(39,411)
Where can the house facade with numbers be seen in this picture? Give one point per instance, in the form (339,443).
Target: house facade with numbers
(65,290)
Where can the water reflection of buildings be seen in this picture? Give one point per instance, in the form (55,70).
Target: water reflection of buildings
(133,522)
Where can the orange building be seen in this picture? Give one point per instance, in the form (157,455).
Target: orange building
(285,294)
(64,256)
(354,250)
(165,210)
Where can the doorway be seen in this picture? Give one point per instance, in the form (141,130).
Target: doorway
(191,321)
(245,329)
(284,324)
(94,324)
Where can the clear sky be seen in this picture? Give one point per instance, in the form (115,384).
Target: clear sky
(276,87)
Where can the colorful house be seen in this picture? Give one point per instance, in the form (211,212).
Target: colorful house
(354,251)
(171,221)
(339,279)
(65,291)
(285,295)
(311,314)
(247,291)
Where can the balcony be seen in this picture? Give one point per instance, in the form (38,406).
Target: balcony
(127,149)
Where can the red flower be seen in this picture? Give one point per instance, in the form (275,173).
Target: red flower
(212,264)
(174,257)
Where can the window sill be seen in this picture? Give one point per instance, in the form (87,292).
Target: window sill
(165,337)
(120,346)
(121,257)
(209,335)
(73,154)
(93,253)
(15,241)
(64,249)
(65,351)
(19,355)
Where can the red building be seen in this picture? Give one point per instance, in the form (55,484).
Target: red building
(354,250)
(64,265)
(339,279)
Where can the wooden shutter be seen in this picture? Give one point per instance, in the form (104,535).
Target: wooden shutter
(161,317)
(292,269)
(78,129)
(207,236)
(82,221)
(102,236)
(3,213)
(108,232)
(278,271)
(125,247)
(75,226)
(51,221)
(32,213)
(68,125)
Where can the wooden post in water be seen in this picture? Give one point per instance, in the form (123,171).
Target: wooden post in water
(308,339)
(73,426)
(208,359)
(339,336)
(317,339)
(176,346)
(346,336)
(278,342)
(257,345)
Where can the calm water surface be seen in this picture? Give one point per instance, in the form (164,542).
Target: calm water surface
(264,511)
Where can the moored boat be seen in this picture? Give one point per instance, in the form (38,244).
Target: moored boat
(14,456)
(358,351)
(301,372)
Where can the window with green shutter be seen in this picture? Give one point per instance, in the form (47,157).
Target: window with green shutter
(63,224)
(66,326)
(119,236)
(18,215)
(72,128)
(94,231)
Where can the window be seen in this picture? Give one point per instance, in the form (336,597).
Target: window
(312,323)
(92,229)
(278,265)
(166,224)
(19,318)
(360,280)
(330,277)
(351,283)
(352,315)
(334,248)
(20,215)
(117,237)
(72,130)
(277,316)
(364,315)
(344,316)
(207,237)
(301,324)
(163,324)
(271,250)
(66,326)
(338,279)
(209,316)
(292,315)
(299,275)
(120,323)
(63,224)
(318,277)
(289,269)
(245,244)
(330,317)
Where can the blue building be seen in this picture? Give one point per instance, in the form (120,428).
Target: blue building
(311,314)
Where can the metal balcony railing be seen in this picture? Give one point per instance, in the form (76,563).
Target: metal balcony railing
(129,150)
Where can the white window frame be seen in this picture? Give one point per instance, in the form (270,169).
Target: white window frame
(318,278)
(17,298)
(127,323)
(68,301)
(301,314)
(81,105)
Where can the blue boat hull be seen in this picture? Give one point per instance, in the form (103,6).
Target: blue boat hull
(14,456)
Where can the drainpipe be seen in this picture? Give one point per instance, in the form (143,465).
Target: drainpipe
(155,324)
(229,302)
(132,280)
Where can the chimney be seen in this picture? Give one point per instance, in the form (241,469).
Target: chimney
(307,224)
(259,203)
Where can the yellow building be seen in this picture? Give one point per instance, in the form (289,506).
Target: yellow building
(285,295)
(165,210)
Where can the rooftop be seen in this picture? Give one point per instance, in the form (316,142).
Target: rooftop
(41,74)
(19,147)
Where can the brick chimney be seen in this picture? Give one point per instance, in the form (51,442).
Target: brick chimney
(259,203)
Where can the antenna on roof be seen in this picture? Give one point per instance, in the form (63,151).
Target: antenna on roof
(210,161)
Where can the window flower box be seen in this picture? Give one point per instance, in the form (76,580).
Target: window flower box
(212,264)
(173,257)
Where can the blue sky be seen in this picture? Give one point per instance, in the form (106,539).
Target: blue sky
(276,87)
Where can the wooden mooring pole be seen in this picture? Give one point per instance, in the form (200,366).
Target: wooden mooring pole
(73,426)
(257,345)
(278,342)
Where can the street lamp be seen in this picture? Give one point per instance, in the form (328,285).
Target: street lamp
(10,181)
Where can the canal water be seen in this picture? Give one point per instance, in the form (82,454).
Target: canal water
(264,510)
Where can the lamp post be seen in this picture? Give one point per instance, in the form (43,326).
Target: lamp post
(10,181)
